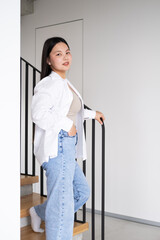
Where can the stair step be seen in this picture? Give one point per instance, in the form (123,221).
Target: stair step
(27,232)
(29,201)
(26,189)
(28,179)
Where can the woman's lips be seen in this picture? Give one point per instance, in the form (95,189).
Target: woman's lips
(66,63)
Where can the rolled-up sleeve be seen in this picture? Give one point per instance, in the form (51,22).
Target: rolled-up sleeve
(89,114)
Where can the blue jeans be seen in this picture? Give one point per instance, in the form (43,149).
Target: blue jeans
(67,190)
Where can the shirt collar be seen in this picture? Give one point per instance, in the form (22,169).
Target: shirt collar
(56,75)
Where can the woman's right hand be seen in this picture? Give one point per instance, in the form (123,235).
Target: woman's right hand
(72,131)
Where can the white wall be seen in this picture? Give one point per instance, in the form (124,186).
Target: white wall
(10,119)
(121,66)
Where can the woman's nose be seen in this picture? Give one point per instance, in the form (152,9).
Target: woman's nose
(65,56)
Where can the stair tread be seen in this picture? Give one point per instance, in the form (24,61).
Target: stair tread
(28,179)
(27,232)
(35,199)
(29,201)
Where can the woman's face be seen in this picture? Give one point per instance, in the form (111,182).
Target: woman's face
(60,58)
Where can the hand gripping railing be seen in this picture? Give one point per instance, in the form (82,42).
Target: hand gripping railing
(28,76)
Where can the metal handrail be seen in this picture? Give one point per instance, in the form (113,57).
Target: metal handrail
(102,180)
(27,84)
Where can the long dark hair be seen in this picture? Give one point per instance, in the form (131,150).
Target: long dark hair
(47,48)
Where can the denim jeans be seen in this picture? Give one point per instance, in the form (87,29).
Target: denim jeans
(67,190)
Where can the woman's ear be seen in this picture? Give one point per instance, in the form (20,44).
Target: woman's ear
(48,61)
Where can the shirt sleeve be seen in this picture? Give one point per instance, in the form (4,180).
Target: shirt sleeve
(45,115)
(89,114)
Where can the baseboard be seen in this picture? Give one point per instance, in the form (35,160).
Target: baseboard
(123,217)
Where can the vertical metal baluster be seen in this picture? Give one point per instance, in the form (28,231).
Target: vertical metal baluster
(84,171)
(26,119)
(41,181)
(33,128)
(85,128)
(103,184)
(93,179)
(75,215)
(84,206)
(20,112)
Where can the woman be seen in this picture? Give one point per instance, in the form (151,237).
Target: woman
(58,112)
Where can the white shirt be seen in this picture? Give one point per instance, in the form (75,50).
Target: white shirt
(50,105)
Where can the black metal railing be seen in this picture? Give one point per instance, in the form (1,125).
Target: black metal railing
(29,75)
(28,80)
(102,181)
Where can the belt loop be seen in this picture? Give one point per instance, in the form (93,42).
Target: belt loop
(62,133)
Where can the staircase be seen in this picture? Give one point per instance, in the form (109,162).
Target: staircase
(29,199)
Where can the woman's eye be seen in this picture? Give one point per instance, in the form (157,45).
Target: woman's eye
(67,52)
(58,54)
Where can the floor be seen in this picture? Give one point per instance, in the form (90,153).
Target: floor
(116,229)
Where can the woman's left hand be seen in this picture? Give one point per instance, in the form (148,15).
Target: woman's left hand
(98,117)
